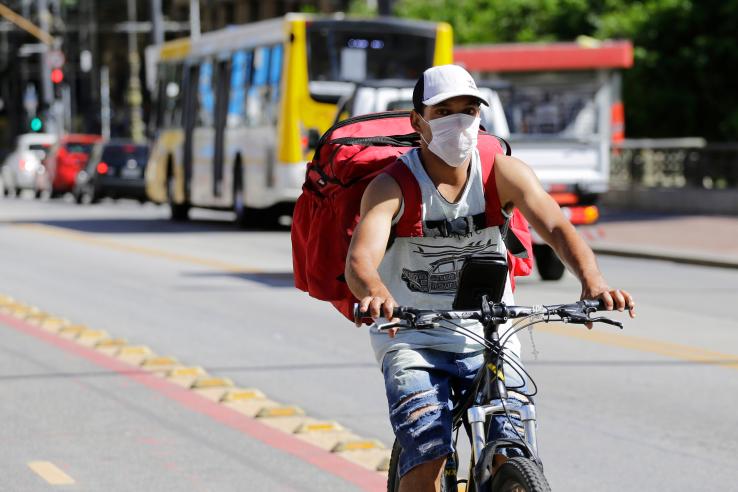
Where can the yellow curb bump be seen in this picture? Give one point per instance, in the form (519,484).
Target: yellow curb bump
(90,338)
(54,324)
(212,388)
(368,458)
(211,382)
(357,445)
(242,394)
(185,376)
(251,408)
(281,411)
(384,465)
(326,440)
(37,319)
(320,426)
(22,311)
(134,354)
(286,424)
(71,331)
(110,346)
(159,363)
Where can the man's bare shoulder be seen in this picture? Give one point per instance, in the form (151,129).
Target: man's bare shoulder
(383,191)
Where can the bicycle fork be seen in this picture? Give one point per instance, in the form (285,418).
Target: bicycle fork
(478,415)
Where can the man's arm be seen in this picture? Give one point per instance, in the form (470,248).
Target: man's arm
(518,186)
(380,203)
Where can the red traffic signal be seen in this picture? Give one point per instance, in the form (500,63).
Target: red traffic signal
(57,76)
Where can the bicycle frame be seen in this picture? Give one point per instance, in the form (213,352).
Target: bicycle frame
(493,388)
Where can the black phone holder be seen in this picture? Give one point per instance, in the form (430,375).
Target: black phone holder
(481,275)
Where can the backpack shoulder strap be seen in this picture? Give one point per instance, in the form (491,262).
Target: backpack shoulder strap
(489,147)
(410,223)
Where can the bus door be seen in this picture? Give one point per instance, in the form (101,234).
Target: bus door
(222,89)
(189,119)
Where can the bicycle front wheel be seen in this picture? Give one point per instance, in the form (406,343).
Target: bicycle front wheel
(520,475)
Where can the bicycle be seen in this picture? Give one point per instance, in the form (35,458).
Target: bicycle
(522,472)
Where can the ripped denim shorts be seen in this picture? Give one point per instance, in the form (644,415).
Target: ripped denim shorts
(420,385)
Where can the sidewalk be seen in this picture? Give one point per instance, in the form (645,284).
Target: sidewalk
(695,239)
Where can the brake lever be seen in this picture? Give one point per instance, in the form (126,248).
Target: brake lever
(607,321)
(389,326)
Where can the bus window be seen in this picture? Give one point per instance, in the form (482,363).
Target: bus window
(257,93)
(338,53)
(240,80)
(275,75)
(206,95)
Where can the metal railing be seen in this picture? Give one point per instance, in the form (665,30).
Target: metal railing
(674,163)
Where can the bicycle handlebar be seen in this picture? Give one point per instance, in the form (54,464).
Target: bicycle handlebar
(499,312)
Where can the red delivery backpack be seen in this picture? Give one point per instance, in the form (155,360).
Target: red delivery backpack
(347,158)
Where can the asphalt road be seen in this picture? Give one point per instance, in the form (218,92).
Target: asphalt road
(648,408)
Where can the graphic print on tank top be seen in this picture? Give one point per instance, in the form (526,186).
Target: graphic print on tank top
(445,262)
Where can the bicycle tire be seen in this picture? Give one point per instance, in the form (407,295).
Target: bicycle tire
(520,475)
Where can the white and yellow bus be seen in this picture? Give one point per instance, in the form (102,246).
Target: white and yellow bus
(238,111)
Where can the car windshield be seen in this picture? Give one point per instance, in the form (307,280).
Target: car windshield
(119,155)
(78,148)
(40,150)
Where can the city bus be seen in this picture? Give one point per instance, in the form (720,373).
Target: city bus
(238,112)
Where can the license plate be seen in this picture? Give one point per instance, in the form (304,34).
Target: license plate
(130,173)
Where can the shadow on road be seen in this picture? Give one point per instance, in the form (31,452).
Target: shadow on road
(270,279)
(147,226)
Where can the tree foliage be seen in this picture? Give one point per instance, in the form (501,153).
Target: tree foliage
(681,82)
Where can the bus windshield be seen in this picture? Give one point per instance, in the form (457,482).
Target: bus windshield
(354,52)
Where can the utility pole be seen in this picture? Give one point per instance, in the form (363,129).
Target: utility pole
(47,89)
(194,19)
(157,31)
(135,98)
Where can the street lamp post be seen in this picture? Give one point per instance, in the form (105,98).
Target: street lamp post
(135,98)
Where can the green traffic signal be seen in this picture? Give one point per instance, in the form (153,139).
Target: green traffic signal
(37,124)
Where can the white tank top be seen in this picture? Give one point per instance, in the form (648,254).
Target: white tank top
(422,272)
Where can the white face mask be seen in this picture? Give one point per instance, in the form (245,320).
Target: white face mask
(453,137)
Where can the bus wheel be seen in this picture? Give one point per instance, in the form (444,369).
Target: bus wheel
(549,265)
(180,212)
(243,215)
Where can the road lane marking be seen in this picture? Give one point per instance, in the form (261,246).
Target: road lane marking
(50,472)
(130,248)
(333,463)
(640,344)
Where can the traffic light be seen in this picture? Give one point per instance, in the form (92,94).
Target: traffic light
(57,76)
(36,124)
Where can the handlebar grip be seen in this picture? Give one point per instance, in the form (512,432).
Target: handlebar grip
(596,304)
(397,312)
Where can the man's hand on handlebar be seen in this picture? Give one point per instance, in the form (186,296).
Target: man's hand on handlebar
(379,306)
(613,299)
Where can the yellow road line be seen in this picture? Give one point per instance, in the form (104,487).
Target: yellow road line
(50,472)
(668,349)
(129,248)
(640,344)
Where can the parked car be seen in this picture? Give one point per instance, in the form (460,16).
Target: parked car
(115,169)
(22,167)
(66,159)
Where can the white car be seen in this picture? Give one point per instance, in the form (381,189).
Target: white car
(23,166)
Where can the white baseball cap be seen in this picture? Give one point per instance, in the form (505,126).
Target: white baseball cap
(444,82)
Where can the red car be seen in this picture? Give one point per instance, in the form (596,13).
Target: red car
(65,161)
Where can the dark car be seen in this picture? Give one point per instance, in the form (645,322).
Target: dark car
(116,170)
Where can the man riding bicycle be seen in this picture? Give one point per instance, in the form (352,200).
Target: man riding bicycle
(424,370)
